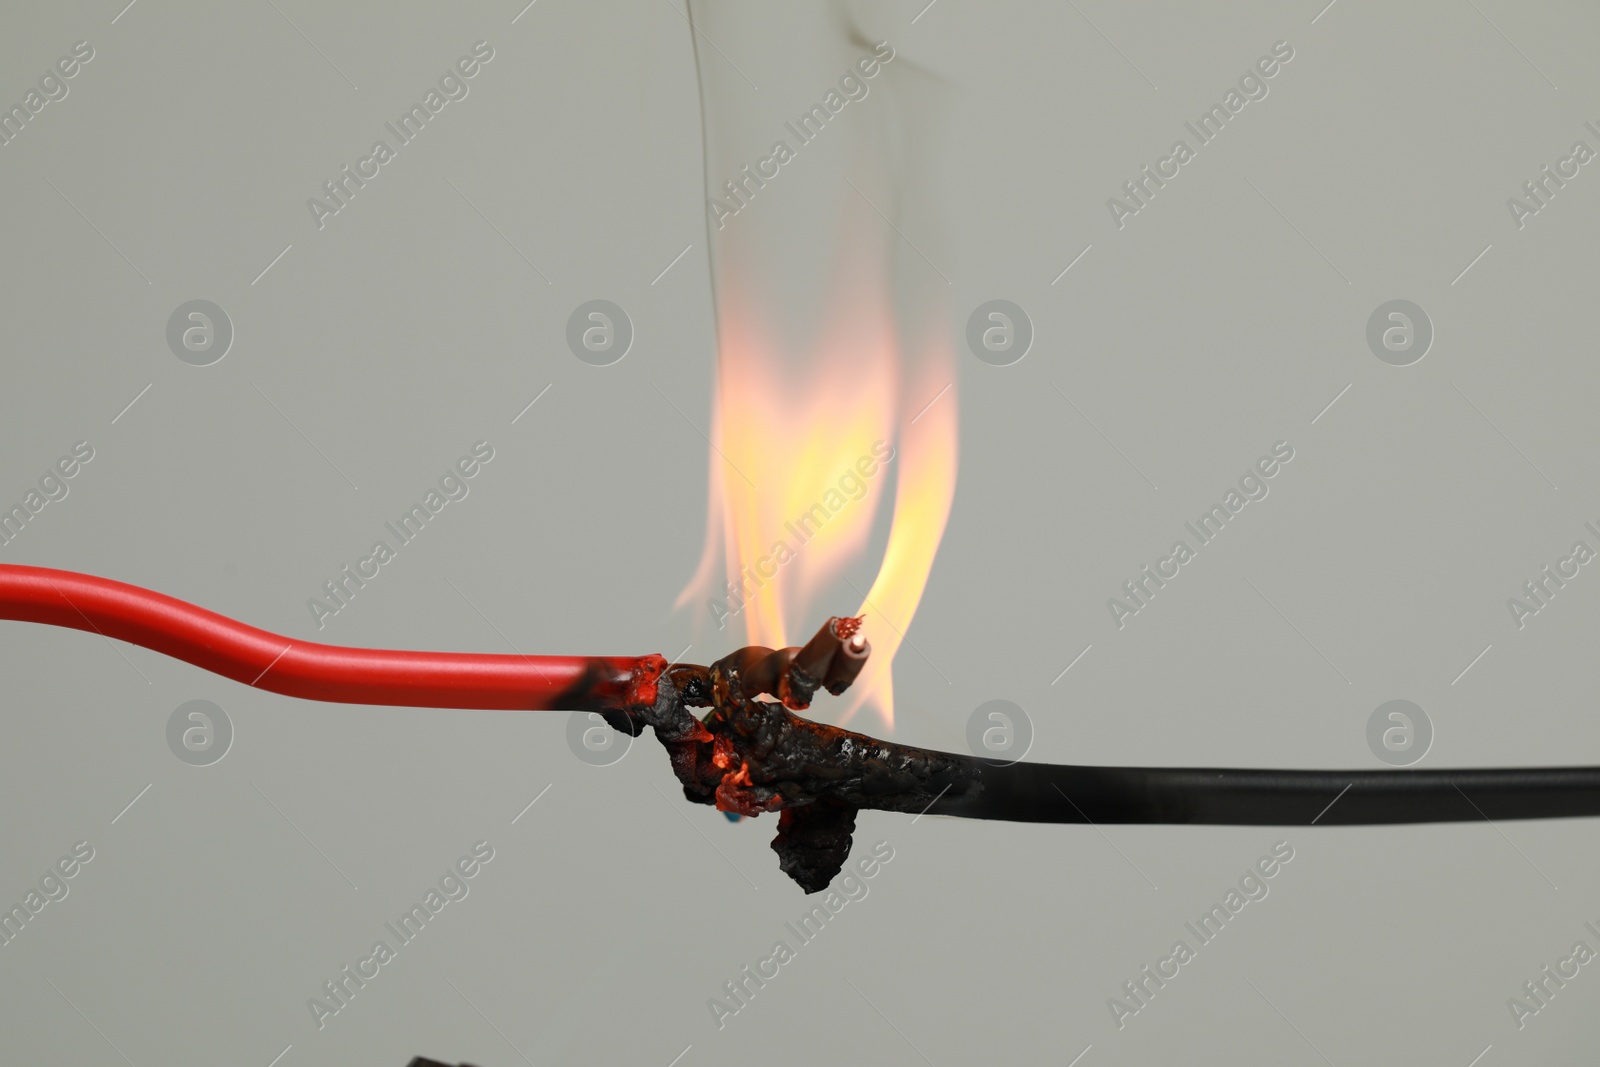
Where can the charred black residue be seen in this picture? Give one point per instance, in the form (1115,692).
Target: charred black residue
(752,756)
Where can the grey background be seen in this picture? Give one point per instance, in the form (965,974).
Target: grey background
(1223,318)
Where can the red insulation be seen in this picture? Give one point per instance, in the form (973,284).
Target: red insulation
(316,671)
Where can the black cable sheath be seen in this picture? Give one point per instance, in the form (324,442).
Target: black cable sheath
(1042,792)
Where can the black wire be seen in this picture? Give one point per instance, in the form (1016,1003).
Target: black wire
(1041,792)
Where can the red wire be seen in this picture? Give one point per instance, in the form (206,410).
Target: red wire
(316,671)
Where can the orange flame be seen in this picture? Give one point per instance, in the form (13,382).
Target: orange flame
(804,446)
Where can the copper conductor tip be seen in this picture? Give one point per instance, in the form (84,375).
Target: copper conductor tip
(846,627)
(848,662)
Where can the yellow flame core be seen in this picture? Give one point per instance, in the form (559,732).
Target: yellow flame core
(802,452)
(921,507)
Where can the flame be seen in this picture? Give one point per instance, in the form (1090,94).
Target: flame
(921,508)
(804,447)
